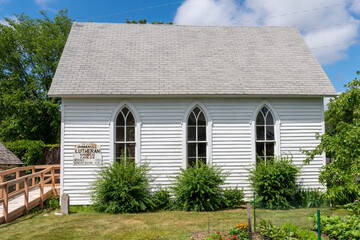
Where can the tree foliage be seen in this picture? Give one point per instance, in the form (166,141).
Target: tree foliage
(144,21)
(30,49)
(342,141)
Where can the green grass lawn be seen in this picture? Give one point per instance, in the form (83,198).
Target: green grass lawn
(157,225)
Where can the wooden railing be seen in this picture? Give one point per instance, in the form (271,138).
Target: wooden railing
(33,177)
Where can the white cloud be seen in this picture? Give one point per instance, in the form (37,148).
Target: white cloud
(42,2)
(322,22)
(355,6)
(45,4)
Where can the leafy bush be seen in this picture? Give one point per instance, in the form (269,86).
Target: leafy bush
(354,207)
(267,229)
(310,197)
(339,228)
(272,231)
(49,205)
(233,198)
(121,188)
(30,152)
(274,183)
(198,188)
(341,187)
(162,199)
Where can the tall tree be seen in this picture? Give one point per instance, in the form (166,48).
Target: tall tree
(342,141)
(30,49)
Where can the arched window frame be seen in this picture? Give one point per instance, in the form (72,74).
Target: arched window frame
(209,125)
(137,119)
(277,123)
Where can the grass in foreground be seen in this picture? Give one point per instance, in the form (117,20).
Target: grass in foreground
(85,224)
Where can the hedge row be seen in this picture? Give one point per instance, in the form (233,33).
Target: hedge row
(30,152)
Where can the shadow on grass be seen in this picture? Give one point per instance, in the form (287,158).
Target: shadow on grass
(33,213)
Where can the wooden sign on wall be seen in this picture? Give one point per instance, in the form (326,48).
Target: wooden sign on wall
(87,154)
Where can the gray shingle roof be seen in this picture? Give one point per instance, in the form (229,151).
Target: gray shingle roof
(137,59)
(7,157)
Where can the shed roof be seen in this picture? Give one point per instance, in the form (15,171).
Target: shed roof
(144,59)
(7,157)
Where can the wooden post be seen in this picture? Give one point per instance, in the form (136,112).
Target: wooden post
(1,181)
(33,171)
(53,181)
(26,195)
(249,220)
(42,190)
(5,202)
(17,176)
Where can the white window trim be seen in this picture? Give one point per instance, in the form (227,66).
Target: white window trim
(209,124)
(112,129)
(277,124)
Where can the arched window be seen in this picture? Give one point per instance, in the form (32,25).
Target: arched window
(265,134)
(196,137)
(125,135)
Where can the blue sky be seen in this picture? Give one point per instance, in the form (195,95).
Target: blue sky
(330,27)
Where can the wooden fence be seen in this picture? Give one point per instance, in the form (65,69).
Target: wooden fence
(22,180)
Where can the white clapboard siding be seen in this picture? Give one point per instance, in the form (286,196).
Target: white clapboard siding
(162,137)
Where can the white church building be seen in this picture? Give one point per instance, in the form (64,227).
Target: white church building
(175,95)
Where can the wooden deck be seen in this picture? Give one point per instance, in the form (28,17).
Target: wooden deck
(23,193)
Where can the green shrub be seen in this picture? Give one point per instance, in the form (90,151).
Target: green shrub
(337,227)
(285,231)
(52,203)
(344,193)
(272,231)
(274,183)
(49,205)
(233,198)
(310,197)
(354,207)
(30,152)
(162,199)
(198,188)
(121,188)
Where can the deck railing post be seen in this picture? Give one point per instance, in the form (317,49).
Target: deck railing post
(42,190)
(53,180)
(26,195)
(5,202)
(33,171)
(17,176)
